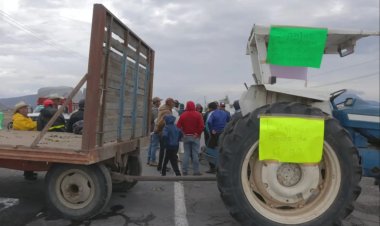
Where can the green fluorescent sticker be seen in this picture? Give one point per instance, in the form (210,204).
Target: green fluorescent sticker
(296,46)
(291,139)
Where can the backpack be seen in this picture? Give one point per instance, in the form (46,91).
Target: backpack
(78,127)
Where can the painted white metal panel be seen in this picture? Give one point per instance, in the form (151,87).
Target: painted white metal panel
(257,96)
(301,91)
(252,99)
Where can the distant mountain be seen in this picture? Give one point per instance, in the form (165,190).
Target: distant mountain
(3,107)
(12,101)
(64,91)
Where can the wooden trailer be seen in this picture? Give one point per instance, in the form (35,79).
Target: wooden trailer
(118,98)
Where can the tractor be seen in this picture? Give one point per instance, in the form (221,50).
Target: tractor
(273,193)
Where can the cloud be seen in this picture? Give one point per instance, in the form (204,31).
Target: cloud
(200,45)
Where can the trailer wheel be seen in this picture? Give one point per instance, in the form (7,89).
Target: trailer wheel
(133,168)
(78,192)
(259,193)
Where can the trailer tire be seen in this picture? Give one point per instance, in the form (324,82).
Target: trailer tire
(252,202)
(78,192)
(133,168)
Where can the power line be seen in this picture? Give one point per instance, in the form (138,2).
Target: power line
(347,80)
(50,42)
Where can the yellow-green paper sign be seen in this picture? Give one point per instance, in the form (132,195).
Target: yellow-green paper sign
(291,139)
(296,46)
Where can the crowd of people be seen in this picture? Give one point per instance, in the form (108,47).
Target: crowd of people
(172,123)
(21,121)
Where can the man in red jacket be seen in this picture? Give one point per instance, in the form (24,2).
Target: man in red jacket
(191,124)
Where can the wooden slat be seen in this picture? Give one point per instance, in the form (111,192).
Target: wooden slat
(116,66)
(143,61)
(109,137)
(142,77)
(139,127)
(133,41)
(144,49)
(118,30)
(126,134)
(109,150)
(115,57)
(113,106)
(116,44)
(115,85)
(112,120)
(131,54)
(121,32)
(47,155)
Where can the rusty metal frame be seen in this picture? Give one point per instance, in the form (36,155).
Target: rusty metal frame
(93,92)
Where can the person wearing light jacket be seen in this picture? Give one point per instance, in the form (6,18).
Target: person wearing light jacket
(154,143)
(191,124)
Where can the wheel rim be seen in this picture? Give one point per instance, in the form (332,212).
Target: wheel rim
(75,189)
(291,193)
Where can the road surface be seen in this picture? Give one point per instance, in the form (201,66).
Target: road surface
(149,203)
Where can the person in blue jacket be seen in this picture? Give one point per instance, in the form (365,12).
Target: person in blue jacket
(171,136)
(216,122)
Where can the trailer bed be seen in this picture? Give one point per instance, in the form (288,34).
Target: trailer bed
(52,140)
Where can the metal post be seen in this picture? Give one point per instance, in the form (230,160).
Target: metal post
(135,88)
(122,94)
(122,177)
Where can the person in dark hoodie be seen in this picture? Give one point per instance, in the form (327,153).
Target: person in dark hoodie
(191,124)
(46,114)
(171,136)
(75,117)
(237,113)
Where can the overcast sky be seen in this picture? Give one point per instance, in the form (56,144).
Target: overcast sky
(200,45)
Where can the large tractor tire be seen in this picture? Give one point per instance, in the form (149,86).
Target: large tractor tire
(133,168)
(274,194)
(78,192)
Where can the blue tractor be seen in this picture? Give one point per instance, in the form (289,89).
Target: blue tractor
(362,121)
(274,192)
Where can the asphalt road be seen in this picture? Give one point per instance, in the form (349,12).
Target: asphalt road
(149,203)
